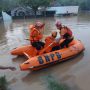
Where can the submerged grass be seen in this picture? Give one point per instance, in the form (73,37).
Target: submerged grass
(52,84)
(3,83)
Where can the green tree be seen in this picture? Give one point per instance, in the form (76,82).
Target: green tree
(35,4)
(7,5)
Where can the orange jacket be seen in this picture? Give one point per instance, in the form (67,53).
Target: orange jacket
(35,35)
(48,41)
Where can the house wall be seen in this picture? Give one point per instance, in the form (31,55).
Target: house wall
(50,11)
(64,9)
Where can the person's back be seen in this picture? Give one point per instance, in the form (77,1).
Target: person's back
(49,40)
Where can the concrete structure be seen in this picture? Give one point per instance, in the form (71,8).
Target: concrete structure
(64,9)
(59,10)
(23,11)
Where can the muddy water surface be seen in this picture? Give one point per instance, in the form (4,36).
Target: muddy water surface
(75,72)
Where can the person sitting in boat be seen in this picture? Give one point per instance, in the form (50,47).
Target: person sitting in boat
(36,35)
(50,40)
(65,34)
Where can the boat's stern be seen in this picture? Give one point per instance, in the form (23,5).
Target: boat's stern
(20,50)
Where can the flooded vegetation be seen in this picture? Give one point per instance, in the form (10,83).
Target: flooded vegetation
(3,83)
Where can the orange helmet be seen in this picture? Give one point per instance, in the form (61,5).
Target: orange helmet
(58,24)
(39,25)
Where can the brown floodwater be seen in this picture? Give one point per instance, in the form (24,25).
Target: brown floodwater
(75,72)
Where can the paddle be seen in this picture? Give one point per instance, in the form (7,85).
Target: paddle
(43,50)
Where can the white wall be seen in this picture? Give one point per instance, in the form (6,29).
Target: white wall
(64,9)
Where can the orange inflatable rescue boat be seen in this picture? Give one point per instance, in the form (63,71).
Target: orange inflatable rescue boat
(41,61)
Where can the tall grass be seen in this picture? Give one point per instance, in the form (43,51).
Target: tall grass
(3,83)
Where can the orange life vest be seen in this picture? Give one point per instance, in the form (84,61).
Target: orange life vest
(48,41)
(35,35)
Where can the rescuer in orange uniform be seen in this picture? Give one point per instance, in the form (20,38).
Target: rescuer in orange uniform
(65,34)
(36,35)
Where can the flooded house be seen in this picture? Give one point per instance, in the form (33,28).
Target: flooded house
(54,9)
(64,10)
